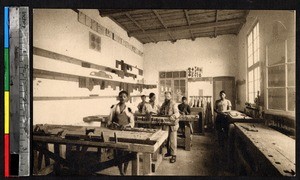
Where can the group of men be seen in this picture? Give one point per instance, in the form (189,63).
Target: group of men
(122,115)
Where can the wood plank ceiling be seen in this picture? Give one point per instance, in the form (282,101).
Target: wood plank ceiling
(154,25)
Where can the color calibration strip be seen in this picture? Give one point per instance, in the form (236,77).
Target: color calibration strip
(17,92)
(6,94)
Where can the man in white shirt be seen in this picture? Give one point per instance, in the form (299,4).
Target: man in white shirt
(121,114)
(222,106)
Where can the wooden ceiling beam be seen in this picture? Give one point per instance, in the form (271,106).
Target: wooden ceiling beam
(139,26)
(162,22)
(114,12)
(241,25)
(216,21)
(189,23)
(191,27)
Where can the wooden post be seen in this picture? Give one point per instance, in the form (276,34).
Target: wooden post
(135,165)
(188,138)
(146,163)
(56,165)
(35,162)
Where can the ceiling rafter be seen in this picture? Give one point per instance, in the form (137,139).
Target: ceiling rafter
(241,25)
(114,12)
(139,26)
(189,23)
(215,33)
(162,22)
(192,27)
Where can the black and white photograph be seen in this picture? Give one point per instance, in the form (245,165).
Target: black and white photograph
(163,92)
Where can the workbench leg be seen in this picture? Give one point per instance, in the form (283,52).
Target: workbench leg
(35,161)
(146,163)
(135,165)
(47,159)
(57,165)
(188,138)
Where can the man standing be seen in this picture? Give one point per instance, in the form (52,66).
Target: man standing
(184,109)
(141,105)
(222,106)
(170,108)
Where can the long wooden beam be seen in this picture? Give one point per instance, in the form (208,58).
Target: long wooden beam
(192,27)
(162,22)
(189,23)
(139,26)
(112,12)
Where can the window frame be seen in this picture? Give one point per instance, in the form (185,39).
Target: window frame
(254,64)
(286,87)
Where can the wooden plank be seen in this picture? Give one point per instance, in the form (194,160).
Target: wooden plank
(278,148)
(60,57)
(48,139)
(156,162)
(135,169)
(188,138)
(117,12)
(146,163)
(192,27)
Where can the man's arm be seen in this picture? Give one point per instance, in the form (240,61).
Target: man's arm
(131,120)
(229,106)
(176,112)
(188,109)
(111,114)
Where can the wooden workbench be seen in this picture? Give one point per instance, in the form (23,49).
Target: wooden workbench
(138,142)
(156,120)
(263,151)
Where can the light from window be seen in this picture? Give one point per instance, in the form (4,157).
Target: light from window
(253,63)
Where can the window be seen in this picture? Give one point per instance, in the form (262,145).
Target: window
(281,75)
(253,68)
(175,82)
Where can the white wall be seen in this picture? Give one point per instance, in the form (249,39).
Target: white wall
(59,31)
(266,20)
(217,56)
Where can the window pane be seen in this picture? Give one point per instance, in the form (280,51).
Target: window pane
(291,74)
(182,82)
(255,44)
(250,61)
(276,76)
(249,39)
(250,76)
(182,90)
(162,74)
(176,82)
(291,50)
(176,74)
(291,99)
(169,75)
(257,29)
(256,86)
(251,97)
(276,98)
(251,84)
(254,32)
(276,53)
(182,74)
(255,57)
